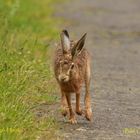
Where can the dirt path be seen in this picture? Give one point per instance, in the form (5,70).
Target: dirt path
(113,28)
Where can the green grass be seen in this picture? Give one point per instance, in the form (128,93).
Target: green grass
(26,30)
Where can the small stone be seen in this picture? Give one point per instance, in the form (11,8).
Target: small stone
(81,129)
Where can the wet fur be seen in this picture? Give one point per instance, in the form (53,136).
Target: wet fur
(78,77)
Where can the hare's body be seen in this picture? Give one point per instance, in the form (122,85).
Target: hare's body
(72,70)
(77,79)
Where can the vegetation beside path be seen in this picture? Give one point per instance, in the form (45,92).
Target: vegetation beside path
(26,30)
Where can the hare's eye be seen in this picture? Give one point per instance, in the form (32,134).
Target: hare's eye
(72,65)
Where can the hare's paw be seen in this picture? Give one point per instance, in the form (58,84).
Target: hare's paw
(88,114)
(64,111)
(80,112)
(73,120)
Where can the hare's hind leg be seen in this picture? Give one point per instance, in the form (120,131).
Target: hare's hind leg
(78,108)
(87,95)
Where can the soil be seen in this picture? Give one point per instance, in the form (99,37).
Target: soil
(113,40)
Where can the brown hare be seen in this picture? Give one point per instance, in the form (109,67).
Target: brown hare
(72,69)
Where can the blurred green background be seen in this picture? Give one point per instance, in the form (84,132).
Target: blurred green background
(27,29)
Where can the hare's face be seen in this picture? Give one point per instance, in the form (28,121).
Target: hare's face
(67,68)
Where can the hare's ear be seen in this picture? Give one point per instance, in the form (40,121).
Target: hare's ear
(65,41)
(79,46)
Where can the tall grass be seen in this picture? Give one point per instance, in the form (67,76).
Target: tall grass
(26,30)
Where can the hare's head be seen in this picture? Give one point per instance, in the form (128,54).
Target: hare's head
(70,51)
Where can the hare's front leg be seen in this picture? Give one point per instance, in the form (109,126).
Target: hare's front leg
(72,119)
(64,105)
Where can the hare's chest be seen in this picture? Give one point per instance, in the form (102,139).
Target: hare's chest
(72,86)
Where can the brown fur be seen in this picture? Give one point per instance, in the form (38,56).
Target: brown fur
(75,77)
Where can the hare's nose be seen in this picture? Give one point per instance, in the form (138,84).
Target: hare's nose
(63,78)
